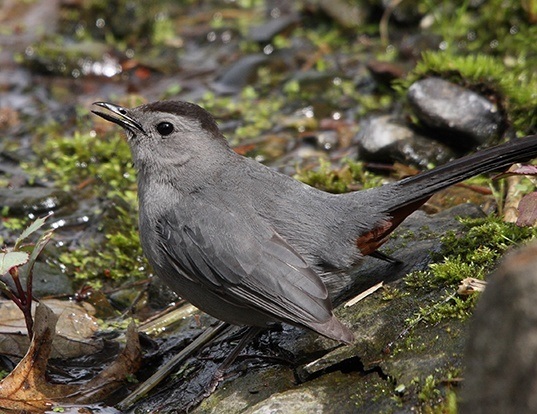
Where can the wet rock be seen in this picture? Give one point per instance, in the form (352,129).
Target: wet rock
(50,281)
(460,117)
(159,294)
(265,32)
(502,352)
(329,395)
(240,74)
(326,140)
(34,200)
(386,139)
(47,281)
(252,389)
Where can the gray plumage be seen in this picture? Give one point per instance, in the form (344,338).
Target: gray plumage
(249,245)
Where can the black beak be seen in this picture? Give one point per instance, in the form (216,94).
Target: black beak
(118,116)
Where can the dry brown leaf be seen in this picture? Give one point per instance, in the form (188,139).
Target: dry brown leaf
(115,375)
(74,330)
(26,388)
(470,286)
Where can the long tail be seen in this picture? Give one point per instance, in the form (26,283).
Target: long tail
(419,188)
(406,196)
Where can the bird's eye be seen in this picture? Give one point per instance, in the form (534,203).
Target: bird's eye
(165,128)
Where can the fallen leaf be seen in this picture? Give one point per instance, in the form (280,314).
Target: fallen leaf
(75,330)
(470,286)
(115,374)
(26,387)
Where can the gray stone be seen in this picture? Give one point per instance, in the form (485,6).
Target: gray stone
(462,118)
(33,200)
(386,139)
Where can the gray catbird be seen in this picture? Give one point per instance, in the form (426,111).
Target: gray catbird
(249,245)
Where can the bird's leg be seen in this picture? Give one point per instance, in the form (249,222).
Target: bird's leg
(383,256)
(221,370)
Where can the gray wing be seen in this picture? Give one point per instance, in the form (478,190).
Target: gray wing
(245,262)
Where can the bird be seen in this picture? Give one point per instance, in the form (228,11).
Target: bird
(250,245)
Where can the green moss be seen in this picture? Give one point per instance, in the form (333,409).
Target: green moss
(429,390)
(72,159)
(119,256)
(351,176)
(450,306)
(14,223)
(390,293)
(257,115)
(95,166)
(472,252)
(435,393)
(495,27)
(163,29)
(483,234)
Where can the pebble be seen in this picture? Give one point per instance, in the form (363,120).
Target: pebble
(386,139)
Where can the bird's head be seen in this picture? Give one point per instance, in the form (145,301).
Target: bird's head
(165,135)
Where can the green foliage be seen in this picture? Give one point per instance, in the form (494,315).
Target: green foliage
(495,27)
(13,223)
(429,389)
(18,261)
(450,307)
(391,293)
